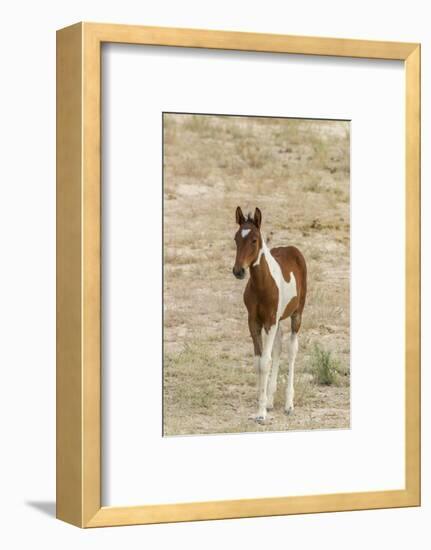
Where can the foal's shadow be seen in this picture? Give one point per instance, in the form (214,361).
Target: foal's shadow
(46,507)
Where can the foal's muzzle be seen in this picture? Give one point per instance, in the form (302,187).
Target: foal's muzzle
(239,272)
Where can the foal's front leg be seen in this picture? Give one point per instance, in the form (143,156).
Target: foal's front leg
(263,373)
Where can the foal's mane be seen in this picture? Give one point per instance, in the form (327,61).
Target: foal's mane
(249,218)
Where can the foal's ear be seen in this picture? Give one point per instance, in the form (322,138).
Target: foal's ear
(257,218)
(239,216)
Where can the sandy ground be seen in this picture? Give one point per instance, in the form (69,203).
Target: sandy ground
(297,172)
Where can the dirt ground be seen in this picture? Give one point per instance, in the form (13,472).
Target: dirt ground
(297,172)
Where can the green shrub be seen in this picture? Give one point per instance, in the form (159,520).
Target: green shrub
(324,368)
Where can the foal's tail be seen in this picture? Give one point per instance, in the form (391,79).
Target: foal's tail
(296,317)
(303,291)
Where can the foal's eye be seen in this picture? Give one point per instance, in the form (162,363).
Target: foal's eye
(254,241)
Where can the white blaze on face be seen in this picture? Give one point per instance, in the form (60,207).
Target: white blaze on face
(245,232)
(286,290)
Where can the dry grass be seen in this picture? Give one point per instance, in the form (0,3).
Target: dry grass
(297,172)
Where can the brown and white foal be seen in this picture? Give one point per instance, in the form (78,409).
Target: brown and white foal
(275,291)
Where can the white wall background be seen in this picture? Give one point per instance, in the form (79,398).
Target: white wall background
(27,306)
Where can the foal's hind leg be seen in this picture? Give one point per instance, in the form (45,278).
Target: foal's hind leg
(292,349)
(272,384)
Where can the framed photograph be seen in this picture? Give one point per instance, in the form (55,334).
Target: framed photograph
(238,275)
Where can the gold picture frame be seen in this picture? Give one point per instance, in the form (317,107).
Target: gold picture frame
(79,274)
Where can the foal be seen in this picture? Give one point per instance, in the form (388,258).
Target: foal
(275,291)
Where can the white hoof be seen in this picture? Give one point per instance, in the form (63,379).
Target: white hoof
(259,418)
(289,410)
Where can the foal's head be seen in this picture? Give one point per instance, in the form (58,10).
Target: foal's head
(248,241)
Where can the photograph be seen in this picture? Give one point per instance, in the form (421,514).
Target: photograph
(256,274)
